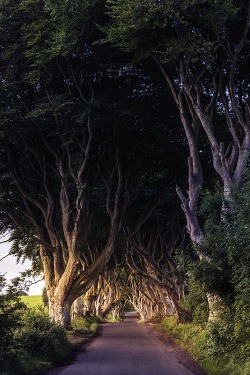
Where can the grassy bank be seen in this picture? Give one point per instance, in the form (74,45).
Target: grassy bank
(210,347)
(32,301)
(82,329)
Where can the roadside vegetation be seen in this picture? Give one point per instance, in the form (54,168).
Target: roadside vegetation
(29,341)
(221,346)
(85,325)
(215,347)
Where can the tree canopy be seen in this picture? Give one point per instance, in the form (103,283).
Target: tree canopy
(114,115)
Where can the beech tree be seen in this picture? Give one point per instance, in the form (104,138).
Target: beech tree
(87,136)
(54,205)
(201,50)
(106,296)
(147,300)
(150,257)
(69,164)
(51,150)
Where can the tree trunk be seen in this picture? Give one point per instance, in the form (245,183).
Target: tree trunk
(78,308)
(59,311)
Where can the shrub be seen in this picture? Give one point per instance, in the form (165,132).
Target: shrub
(36,319)
(81,324)
(85,325)
(93,327)
(42,338)
(10,312)
(37,344)
(58,345)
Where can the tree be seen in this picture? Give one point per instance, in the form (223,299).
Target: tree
(68,158)
(150,257)
(201,48)
(51,147)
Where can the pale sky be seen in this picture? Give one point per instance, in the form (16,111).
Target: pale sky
(10,268)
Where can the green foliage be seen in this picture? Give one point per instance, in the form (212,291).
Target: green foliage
(211,345)
(210,209)
(68,16)
(223,269)
(169,29)
(10,313)
(29,341)
(228,244)
(225,272)
(36,319)
(184,331)
(194,305)
(51,345)
(110,318)
(22,246)
(46,31)
(85,325)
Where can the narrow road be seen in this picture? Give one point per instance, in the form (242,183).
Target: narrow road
(126,348)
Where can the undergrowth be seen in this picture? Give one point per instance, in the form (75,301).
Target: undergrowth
(213,346)
(85,325)
(37,345)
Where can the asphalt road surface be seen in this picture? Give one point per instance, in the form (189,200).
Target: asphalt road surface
(126,348)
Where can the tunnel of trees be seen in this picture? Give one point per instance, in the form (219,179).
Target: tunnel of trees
(124,142)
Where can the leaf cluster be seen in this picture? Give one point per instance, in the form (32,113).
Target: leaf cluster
(172,30)
(10,313)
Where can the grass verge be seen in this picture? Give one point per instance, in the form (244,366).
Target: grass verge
(198,340)
(82,329)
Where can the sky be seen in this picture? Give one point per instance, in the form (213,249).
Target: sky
(11,269)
